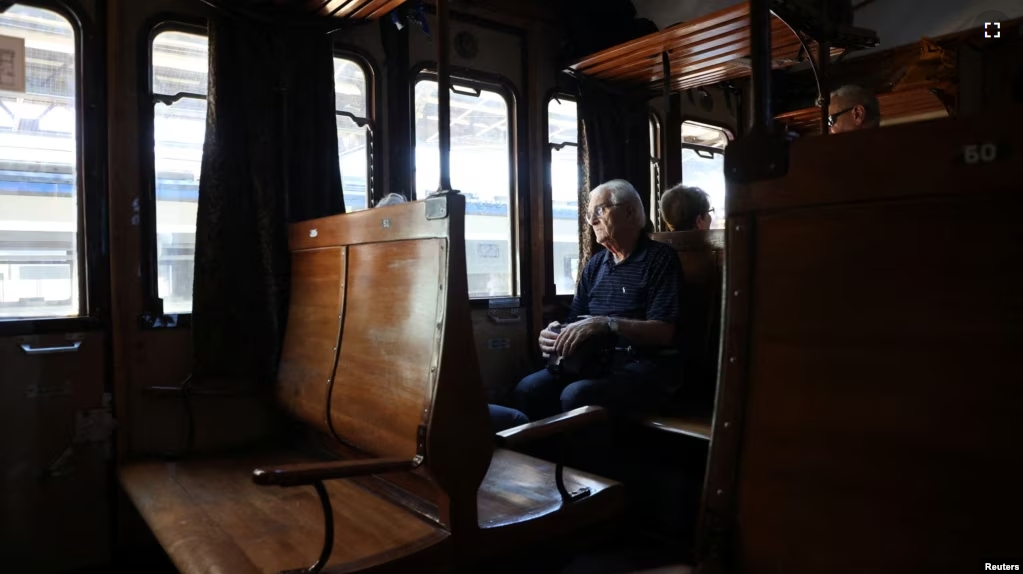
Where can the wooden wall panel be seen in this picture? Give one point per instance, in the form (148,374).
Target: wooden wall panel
(53,512)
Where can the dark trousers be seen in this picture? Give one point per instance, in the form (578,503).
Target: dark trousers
(632,386)
(503,418)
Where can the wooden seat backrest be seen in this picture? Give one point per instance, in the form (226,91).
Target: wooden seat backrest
(871,400)
(378,352)
(701,254)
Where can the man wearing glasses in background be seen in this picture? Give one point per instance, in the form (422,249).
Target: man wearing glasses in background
(853,108)
(628,295)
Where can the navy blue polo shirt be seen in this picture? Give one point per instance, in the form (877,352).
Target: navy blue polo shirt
(644,286)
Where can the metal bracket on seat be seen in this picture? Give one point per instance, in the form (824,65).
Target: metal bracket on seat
(566,496)
(328,533)
(437,206)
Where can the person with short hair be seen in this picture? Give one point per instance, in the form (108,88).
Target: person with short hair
(853,108)
(628,294)
(685,208)
(391,199)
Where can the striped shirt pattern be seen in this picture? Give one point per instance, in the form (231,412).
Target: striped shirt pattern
(644,286)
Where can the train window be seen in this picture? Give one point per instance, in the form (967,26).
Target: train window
(481,157)
(179,84)
(563,137)
(353,142)
(179,87)
(40,259)
(703,164)
(655,172)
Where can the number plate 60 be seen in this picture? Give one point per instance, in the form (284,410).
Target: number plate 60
(980,153)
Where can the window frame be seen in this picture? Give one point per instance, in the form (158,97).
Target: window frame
(699,121)
(551,289)
(152,316)
(90,180)
(698,148)
(373,158)
(657,187)
(519,258)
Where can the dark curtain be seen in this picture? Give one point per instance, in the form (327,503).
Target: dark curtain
(614,144)
(270,157)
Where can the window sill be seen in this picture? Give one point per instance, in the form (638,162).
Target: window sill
(14,326)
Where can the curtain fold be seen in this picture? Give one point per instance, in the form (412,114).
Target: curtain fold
(614,144)
(270,157)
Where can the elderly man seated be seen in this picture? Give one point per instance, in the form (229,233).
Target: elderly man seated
(627,306)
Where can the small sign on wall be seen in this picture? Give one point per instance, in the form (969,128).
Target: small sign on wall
(12,64)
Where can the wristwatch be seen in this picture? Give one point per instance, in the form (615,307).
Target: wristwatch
(612,324)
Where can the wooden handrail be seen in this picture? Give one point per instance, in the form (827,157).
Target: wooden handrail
(310,473)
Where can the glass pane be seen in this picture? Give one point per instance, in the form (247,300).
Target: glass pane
(180,63)
(655,211)
(39,259)
(179,131)
(708,175)
(351,149)
(562,121)
(701,134)
(350,88)
(562,127)
(350,96)
(480,156)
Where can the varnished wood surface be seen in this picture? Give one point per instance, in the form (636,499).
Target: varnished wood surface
(939,144)
(407,383)
(695,240)
(697,427)
(311,472)
(391,223)
(881,406)
(702,255)
(352,9)
(54,475)
(570,421)
(894,106)
(390,345)
(210,517)
(881,326)
(702,51)
(310,341)
(519,492)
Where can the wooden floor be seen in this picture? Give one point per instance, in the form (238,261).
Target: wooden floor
(616,556)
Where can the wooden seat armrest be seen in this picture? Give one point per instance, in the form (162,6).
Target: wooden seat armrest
(550,426)
(310,473)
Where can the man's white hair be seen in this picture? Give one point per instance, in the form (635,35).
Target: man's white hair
(622,192)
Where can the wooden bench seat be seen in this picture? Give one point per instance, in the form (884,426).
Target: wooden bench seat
(696,426)
(519,487)
(379,367)
(701,254)
(871,400)
(210,517)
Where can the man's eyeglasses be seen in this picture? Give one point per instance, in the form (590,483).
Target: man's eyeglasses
(601,209)
(833,118)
